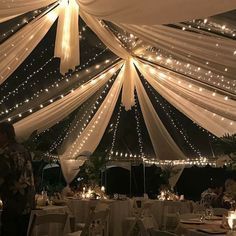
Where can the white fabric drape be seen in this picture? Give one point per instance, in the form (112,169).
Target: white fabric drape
(163,144)
(123,165)
(58,110)
(105,35)
(7,18)
(70,167)
(214,49)
(10,9)
(92,134)
(14,51)
(67,37)
(212,122)
(114,45)
(204,97)
(127,98)
(154,12)
(175,173)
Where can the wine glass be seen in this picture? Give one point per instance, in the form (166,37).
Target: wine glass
(209,213)
(232,224)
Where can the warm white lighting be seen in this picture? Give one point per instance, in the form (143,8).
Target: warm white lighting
(52,15)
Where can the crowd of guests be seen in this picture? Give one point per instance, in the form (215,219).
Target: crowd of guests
(220,196)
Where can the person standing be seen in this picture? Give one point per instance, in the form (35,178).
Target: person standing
(16,183)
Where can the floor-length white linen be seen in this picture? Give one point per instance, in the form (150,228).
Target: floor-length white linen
(212,122)
(91,136)
(58,110)
(164,146)
(67,37)
(14,50)
(154,12)
(10,9)
(159,209)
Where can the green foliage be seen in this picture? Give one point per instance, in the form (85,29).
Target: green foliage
(91,170)
(52,188)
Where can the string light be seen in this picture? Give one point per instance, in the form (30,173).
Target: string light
(138,128)
(75,147)
(201,162)
(59,96)
(20,24)
(85,119)
(36,94)
(178,127)
(115,133)
(170,82)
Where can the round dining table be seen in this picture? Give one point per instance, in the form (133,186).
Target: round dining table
(160,209)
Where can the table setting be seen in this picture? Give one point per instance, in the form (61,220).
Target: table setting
(208,225)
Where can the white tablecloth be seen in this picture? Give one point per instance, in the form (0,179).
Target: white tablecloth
(193,229)
(80,208)
(119,210)
(158,208)
(53,228)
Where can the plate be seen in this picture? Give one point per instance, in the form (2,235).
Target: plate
(192,221)
(212,231)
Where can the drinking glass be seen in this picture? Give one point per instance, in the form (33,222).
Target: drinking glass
(209,213)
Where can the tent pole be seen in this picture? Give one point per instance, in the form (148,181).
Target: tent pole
(130,180)
(144,178)
(106,177)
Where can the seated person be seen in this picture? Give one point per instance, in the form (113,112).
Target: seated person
(208,197)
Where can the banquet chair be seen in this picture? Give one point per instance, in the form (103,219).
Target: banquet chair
(146,208)
(145,225)
(170,218)
(96,225)
(154,232)
(101,206)
(54,218)
(144,214)
(80,225)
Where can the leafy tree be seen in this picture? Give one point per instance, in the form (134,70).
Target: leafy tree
(90,172)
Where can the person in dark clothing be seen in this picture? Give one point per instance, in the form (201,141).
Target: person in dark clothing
(16,183)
